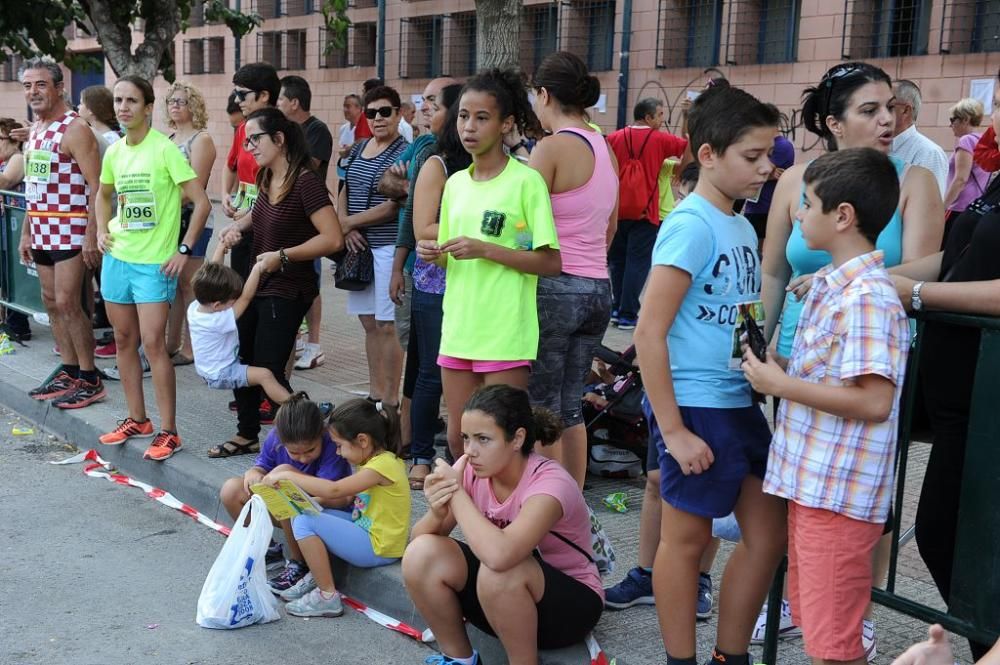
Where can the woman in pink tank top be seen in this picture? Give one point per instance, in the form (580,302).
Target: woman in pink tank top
(575,307)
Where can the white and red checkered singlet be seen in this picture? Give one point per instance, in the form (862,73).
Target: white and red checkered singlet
(55,190)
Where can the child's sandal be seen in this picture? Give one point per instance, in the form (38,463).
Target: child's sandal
(232,448)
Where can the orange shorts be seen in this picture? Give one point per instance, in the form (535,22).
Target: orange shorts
(829,579)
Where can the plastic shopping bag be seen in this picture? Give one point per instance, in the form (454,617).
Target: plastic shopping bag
(235,593)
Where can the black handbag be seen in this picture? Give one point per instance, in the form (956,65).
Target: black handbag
(355,270)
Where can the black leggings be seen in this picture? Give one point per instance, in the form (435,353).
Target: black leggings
(267,336)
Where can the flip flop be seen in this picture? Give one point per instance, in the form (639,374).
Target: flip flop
(232,448)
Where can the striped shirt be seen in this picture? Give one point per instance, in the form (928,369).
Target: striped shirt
(363,176)
(287,225)
(852,324)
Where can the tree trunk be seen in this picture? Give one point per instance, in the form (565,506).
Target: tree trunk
(498,33)
(162,22)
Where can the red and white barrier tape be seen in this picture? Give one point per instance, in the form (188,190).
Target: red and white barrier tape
(102,469)
(99,468)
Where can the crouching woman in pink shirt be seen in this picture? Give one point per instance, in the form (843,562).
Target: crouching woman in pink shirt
(525,572)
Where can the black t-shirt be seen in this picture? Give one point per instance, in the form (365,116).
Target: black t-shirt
(949,355)
(320,143)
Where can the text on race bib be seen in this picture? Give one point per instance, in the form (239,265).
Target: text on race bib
(246,195)
(39,166)
(137,211)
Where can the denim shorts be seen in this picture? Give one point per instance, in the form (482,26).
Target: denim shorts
(573,315)
(230,378)
(200,249)
(124,283)
(739,439)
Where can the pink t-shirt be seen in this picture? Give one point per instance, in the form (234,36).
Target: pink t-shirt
(978,178)
(553,480)
(581,214)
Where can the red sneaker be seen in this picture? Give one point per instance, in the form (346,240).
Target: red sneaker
(109,350)
(54,386)
(83,395)
(163,447)
(267,411)
(127,429)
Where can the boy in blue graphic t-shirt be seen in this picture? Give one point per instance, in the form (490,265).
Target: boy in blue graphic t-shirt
(712,441)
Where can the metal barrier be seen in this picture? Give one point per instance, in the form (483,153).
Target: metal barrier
(19,287)
(973,610)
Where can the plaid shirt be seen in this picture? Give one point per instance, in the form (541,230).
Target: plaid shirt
(852,324)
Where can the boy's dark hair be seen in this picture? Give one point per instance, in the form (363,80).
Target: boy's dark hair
(215,282)
(382,92)
(511,409)
(232,106)
(298,420)
(296,87)
(645,107)
(723,114)
(507,87)
(148,96)
(690,174)
(862,177)
(359,416)
(833,96)
(259,77)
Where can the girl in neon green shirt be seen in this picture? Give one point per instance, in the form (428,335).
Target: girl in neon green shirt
(496,236)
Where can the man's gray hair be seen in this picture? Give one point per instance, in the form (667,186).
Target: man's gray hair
(646,107)
(42,63)
(908,92)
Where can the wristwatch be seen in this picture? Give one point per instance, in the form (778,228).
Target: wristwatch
(916,304)
(184,249)
(284,259)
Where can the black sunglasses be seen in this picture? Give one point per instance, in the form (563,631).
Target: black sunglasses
(384,111)
(241,95)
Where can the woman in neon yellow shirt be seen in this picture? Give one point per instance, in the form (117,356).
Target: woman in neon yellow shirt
(496,236)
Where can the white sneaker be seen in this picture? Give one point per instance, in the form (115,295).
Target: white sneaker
(41,318)
(300,589)
(300,344)
(868,639)
(312,357)
(786,629)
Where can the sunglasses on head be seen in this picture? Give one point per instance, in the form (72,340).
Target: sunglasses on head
(384,111)
(241,95)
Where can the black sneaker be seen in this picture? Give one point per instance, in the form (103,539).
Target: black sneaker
(267,411)
(275,557)
(83,395)
(289,577)
(56,385)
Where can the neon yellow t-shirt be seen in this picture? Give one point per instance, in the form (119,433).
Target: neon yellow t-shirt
(490,312)
(147,179)
(384,510)
(666,191)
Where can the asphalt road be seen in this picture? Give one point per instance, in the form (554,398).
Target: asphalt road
(95,573)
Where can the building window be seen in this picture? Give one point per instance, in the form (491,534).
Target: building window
(204,56)
(885,28)
(358,51)
(420,46)
(688,33)
(9,67)
(270,8)
(539,34)
(196,18)
(460,46)
(970,26)
(761,32)
(588,30)
(269,48)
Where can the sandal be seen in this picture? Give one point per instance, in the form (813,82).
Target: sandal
(232,448)
(417,482)
(179,359)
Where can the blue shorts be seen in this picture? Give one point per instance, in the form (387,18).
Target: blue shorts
(125,283)
(739,439)
(230,377)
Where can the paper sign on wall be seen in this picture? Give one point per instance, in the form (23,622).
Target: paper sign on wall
(602,104)
(417,100)
(982,89)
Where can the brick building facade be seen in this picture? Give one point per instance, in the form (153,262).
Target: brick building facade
(772,48)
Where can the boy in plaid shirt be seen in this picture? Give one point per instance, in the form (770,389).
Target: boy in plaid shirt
(835,432)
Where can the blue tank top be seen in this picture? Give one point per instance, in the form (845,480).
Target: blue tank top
(805,261)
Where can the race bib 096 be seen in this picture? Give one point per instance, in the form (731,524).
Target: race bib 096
(137,211)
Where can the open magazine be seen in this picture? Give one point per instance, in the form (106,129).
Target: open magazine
(287,500)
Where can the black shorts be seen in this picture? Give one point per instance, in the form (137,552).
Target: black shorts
(568,611)
(50,257)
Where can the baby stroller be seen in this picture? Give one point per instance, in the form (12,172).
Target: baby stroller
(612,408)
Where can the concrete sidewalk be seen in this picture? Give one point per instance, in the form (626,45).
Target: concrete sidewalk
(204,421)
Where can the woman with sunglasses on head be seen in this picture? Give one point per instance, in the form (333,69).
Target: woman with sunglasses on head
(966,180)
(186,115)
(852,107)
(292,222)
(369,218)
